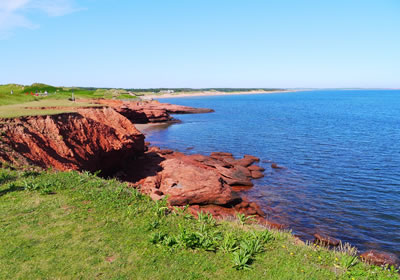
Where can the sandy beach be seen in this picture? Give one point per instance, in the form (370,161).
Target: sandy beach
(216,93)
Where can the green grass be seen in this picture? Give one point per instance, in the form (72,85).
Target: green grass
(14,105)
(67,225)
(55,93)
(41,106)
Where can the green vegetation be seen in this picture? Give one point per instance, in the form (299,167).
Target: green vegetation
(56,93)
(42,107)
(58,99)
(78,226)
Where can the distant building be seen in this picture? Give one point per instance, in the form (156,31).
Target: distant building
(167,91)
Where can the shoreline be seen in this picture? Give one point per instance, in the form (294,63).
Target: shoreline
(223,163)
(217,93)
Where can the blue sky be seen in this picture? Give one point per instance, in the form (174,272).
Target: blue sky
(201,43)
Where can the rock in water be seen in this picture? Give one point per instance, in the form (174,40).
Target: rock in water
(379,258)
(326,240)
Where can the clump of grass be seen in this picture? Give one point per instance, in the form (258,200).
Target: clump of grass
(243,219)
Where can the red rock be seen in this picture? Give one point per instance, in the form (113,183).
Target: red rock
(255,168)
(211,162)
(155,196)
(179,109)
(326,240)
(150,111)
(243,204)
(90,139)
(256,159)
(221,155)
(257,174)
(237,173)
(256,208)
(275,225)
(189,184)
(237,182)
(380,258)
(275,166)
(247,161)
(166,152)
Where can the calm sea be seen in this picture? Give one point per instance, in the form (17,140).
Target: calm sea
(340,150)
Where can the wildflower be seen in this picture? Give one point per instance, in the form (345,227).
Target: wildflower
(336,259)
(319,257)
(291,253)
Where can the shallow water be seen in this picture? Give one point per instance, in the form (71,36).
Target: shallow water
(340,150)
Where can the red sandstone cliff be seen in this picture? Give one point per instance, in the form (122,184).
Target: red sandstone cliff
(90,139)
(106,139)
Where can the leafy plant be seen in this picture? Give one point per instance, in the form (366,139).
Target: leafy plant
(188,239)
(169,241)
(265,236)
(206,218)
(157,237)
(160,208)
(229,243)
(31,186)
(252,246)
(180,211)
(241,260)
(242,218)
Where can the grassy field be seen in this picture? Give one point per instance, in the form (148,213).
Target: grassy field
(67,225)
(41,107)
(14,105)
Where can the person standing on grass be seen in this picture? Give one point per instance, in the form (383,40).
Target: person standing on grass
(12,92)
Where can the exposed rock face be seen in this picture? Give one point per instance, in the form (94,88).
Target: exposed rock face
(190,184)
(380,258)
(106,139)
(195,180)
(150,111)
(144,115)
(91,139)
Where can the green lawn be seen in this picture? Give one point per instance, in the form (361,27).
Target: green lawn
(67,225)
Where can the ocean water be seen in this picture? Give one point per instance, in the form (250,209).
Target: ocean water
(340,150)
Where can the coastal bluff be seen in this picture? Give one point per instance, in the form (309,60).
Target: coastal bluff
(104,139)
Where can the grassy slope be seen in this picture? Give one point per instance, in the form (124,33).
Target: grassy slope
(13,105)
(77,226)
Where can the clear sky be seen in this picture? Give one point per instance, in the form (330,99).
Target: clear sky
(201,43)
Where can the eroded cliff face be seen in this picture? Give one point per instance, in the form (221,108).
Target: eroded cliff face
(106,139)
(90,139)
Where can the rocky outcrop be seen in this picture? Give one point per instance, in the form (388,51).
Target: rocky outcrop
(150,111)
(90,139)
(194,180)
(144,115)
(106,139)
(380,258)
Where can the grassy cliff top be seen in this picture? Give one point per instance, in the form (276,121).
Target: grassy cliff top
(25,102)
(69,225)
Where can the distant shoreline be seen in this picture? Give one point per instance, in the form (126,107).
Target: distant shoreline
(217,93)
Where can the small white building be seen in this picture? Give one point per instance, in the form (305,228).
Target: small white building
(167,91)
